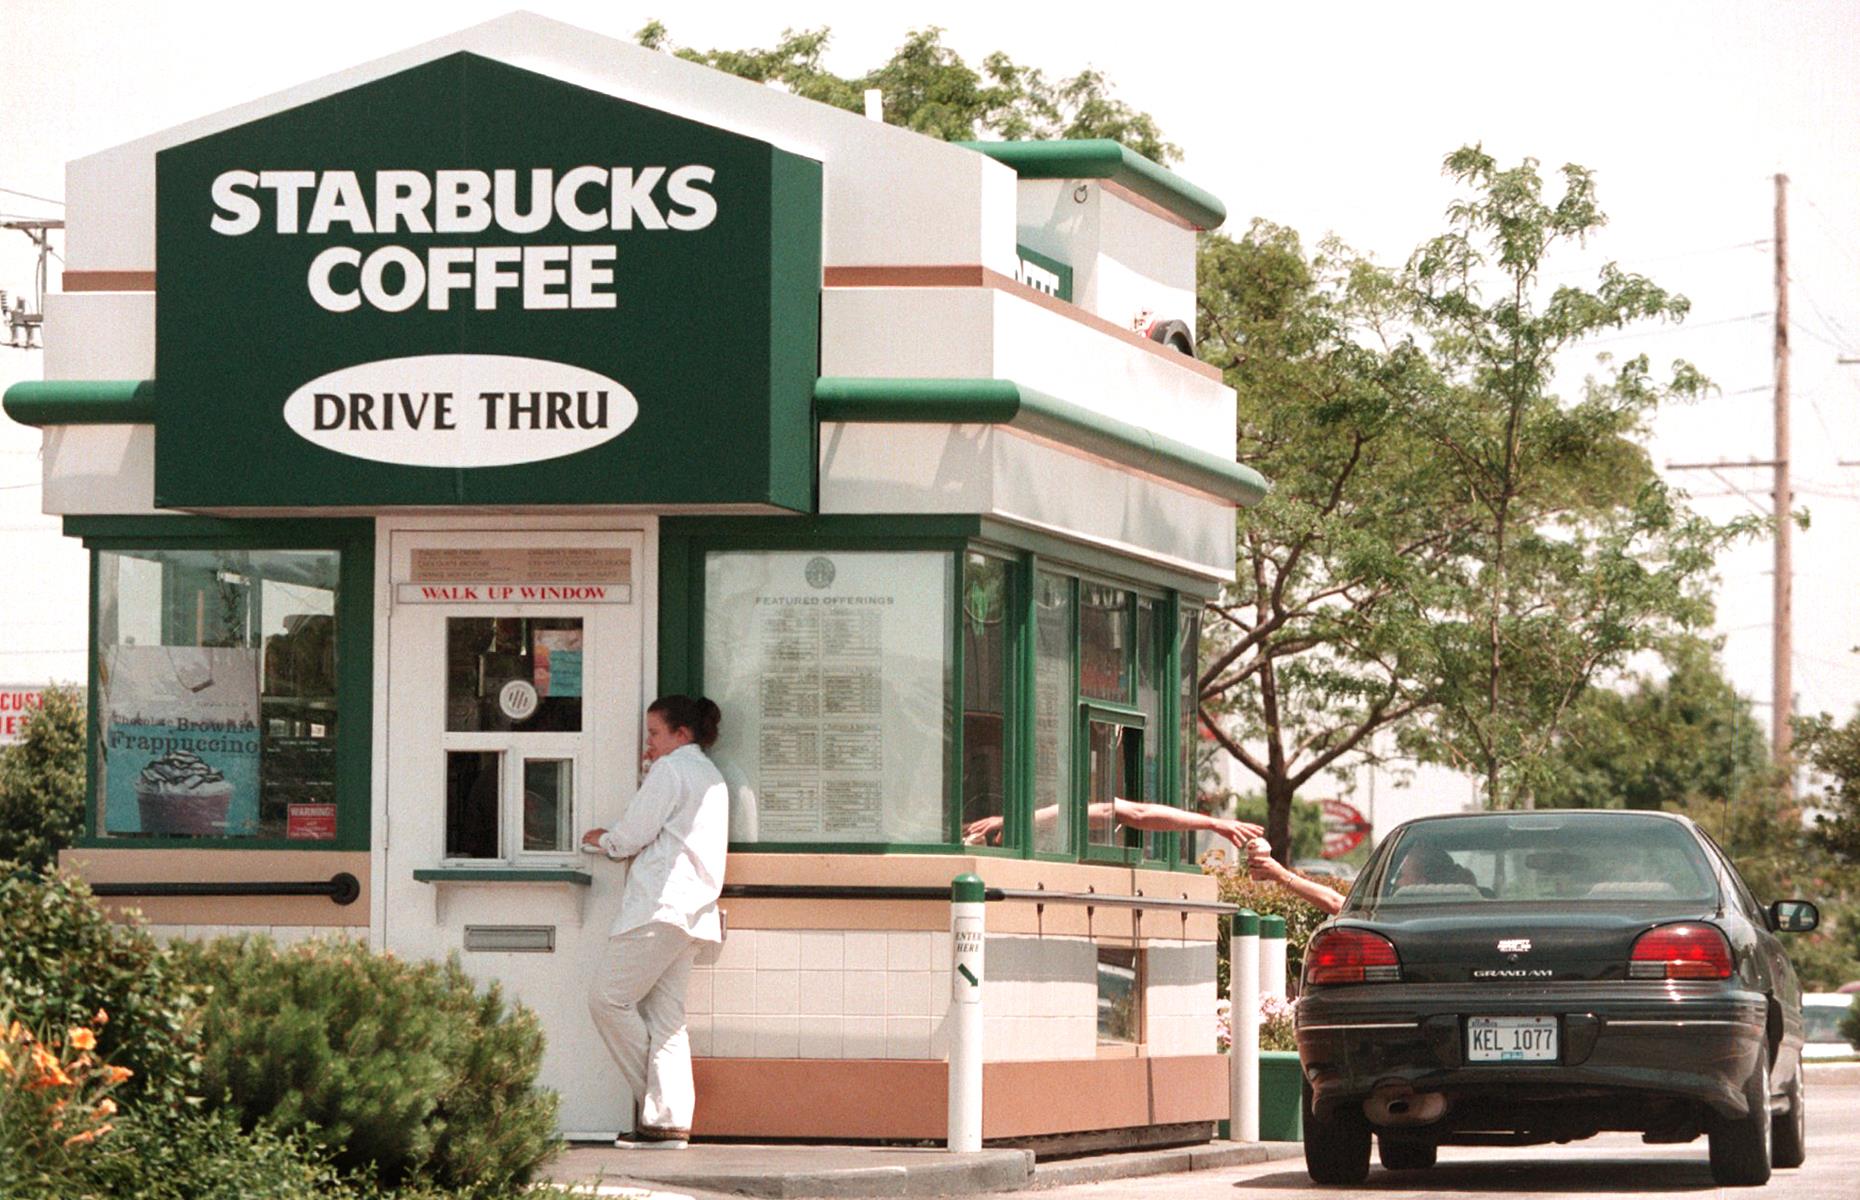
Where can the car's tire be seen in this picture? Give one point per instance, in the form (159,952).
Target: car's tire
(1789,1131)
(1740,1147)
(1337,1146)
(1406,1154)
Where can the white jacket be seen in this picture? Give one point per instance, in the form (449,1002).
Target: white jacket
(676,831)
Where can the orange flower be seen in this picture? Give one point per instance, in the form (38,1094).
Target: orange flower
(6,1062)
(106,1107)
(17,1033)
(116,1075)
(102,1018)
(81,1038)
(51,1072)
(88,1136)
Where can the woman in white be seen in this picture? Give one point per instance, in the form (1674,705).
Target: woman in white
(676,831)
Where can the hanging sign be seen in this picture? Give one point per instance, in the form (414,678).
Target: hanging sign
(468,283)
(1344,828)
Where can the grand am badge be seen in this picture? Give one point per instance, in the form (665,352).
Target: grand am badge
(1514,945)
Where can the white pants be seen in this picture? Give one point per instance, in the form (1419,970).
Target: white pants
(639,1008)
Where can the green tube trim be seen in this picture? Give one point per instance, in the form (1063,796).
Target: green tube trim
(967,888)
(1272,926)
(1102,158)
(1245,923)
(1004,402)
(82,402)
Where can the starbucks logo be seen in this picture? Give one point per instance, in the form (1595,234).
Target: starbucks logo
(518,699)
(819,572)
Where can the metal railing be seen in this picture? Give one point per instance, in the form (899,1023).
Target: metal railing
(342,887)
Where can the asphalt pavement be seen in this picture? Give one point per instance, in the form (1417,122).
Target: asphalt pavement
(1609,1165)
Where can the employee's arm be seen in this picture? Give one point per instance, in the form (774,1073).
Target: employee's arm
(1160,817)
(645,815)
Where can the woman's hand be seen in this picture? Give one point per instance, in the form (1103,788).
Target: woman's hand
(592,838)
(983,831)
(1265,868)
(1237,832)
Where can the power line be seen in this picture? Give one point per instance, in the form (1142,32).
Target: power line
(1688,327)
(29,196)
(1834,346)
(1832,233)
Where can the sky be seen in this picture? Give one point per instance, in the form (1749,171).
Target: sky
(1325,117)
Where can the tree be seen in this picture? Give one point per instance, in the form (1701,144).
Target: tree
(930,89)
(1322,639)
(1687,739)
(1581,558)
(42,782)
(1833,753)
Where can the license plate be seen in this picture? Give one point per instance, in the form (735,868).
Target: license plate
(1510,1039)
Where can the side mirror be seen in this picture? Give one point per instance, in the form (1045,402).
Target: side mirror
(1794,916)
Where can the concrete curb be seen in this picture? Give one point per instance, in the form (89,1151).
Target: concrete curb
(1213,1156)
(1834,1074)
(785,1172)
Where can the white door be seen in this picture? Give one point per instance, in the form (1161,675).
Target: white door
(514,718)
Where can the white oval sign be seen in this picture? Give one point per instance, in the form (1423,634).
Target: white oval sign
(460,410)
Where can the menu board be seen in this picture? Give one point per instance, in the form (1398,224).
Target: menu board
(830,670)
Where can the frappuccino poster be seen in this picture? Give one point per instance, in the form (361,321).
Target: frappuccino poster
(180,746)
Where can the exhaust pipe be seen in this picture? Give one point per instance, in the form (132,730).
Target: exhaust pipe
(1399,1104)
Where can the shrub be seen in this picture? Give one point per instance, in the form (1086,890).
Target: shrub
(206,1156)
(400,1070)
(62,959)
(1849,1027)
(42,782)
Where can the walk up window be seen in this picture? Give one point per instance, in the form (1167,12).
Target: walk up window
(228,697)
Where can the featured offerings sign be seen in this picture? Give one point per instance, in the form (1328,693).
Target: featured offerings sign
(467,283)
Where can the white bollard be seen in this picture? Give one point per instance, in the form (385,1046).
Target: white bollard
(1272,956)
(1243,1020)
(967,926)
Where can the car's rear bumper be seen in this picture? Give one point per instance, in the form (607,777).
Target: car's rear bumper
(1621,1048)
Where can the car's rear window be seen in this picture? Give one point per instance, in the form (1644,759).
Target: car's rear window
(1564,857)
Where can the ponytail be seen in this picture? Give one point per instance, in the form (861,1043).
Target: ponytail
(695,714)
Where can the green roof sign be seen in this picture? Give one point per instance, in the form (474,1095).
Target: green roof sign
(467,283)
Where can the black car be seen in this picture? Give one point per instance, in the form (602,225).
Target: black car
(1516,978)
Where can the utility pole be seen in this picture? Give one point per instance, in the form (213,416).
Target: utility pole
(1782,503)
(1782,641)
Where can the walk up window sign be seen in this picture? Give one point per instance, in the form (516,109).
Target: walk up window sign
(467,283)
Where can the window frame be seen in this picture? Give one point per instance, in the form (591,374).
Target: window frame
(353,540)
(685,543)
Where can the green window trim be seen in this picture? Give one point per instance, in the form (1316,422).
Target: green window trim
(564,875)
(354,541)
(1103,158)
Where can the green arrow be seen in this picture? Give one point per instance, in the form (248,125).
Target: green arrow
(962,969)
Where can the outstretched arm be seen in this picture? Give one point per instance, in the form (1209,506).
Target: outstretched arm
(1160,817)
(1268,869)
(1155,817)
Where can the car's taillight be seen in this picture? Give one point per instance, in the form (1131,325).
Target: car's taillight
(1688,951)
(1351,956)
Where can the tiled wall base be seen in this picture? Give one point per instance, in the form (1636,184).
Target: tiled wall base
(908,1100)
(868,994)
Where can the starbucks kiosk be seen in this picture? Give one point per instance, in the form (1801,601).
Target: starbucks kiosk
(425,421)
